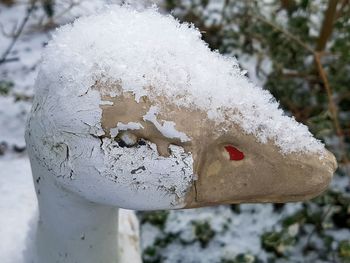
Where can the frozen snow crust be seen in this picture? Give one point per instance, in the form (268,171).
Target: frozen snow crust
(141,49)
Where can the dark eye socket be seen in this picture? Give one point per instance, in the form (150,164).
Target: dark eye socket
(127,140)
(122,143)
(234,153)
(141,142)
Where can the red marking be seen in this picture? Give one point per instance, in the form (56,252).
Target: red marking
(235,154)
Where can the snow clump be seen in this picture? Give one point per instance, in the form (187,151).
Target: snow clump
(142,49)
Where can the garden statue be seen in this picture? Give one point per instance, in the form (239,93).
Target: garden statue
(132,110)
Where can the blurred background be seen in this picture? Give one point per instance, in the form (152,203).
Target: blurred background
(297,49)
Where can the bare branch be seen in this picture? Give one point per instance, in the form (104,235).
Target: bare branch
(318,54)
(327,26)
(342,9)
(18,32)
(7,60)
(331,105)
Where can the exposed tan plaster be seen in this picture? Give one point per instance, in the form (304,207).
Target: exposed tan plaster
(265,174)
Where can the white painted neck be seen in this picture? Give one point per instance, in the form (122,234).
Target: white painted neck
(70,228)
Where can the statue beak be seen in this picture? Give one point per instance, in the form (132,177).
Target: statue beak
(264,175)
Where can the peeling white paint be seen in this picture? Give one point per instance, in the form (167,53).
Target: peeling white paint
(153,181)
(123,127)
(106,102)
(63,135)
(167,128)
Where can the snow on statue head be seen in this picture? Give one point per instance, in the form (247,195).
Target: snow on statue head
(133,110)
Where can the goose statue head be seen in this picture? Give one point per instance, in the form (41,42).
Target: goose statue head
(133,110)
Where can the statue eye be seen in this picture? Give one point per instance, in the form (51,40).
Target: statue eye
(141,142)
(234,153)
(126,139)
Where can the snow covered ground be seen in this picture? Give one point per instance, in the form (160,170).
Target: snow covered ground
(216,234)
(17,206)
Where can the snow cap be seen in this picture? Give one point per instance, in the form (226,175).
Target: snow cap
(141,49)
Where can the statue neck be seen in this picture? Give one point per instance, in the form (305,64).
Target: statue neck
(71,229)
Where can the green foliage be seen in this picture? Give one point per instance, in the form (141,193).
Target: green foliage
(242,258)
(152,253)
(203,232)
(48,6)
(156,218)
(339,215)
(344,250)
(278,242)
(5,87)
(236,208)
(330,211)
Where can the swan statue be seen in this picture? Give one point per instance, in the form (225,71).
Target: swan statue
(133,110)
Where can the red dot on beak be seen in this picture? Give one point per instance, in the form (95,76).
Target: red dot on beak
(235,154)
